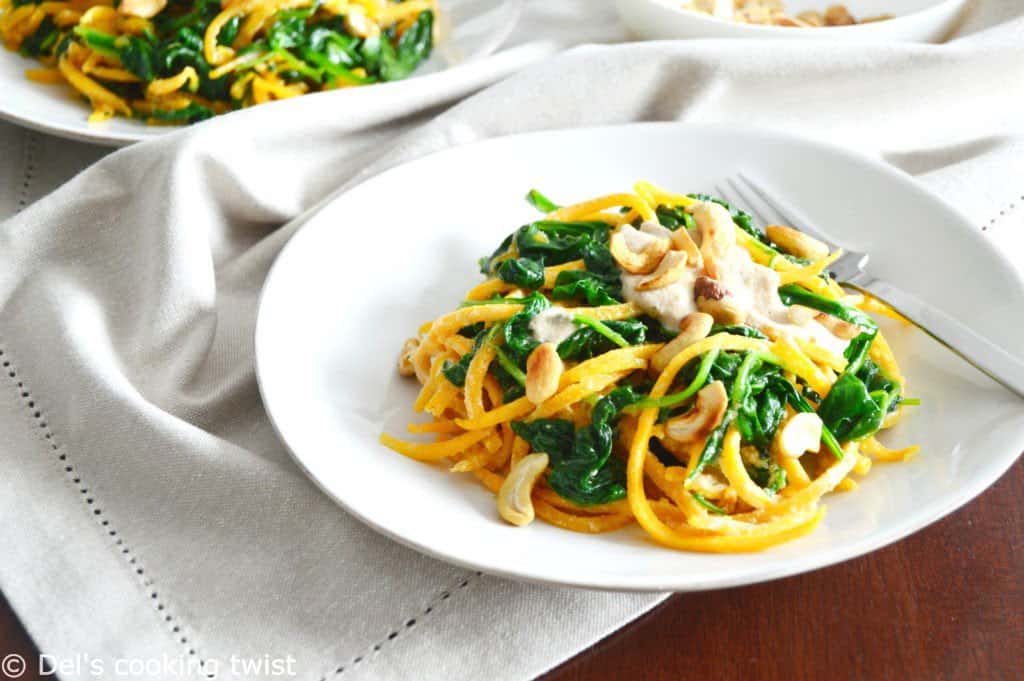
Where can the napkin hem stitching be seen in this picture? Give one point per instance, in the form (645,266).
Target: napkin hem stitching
(31,147)
(39,417)
(408,623)
(1008,209)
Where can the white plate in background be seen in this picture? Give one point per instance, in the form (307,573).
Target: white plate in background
(402,248)
(914,21)
(475,29)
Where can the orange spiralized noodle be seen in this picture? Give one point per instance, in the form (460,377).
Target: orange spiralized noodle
(728,494)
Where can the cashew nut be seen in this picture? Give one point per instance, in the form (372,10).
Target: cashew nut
(405,366)
(514,502)
(358,24)
(838,15)
(796,242)
(715,300)
(144,9)
(707,412)
(692,328)
(680,240)
(718,236)
(641,261)
(543,372)
(799,434)
(812,18)
(670,270)
(838,327)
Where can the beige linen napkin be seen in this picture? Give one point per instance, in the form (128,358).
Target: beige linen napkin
(151,515)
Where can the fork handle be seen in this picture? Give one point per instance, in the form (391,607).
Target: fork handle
(987,357)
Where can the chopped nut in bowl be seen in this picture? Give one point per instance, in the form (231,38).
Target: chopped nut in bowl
(862,20)
(774,13)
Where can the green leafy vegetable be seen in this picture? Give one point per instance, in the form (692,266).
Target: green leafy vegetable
(738,330)
(586,342)
(583,469)
(541,202)
(523,272)
(792,294)
(699,498)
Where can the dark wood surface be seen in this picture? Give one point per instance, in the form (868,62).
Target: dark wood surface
(944,605)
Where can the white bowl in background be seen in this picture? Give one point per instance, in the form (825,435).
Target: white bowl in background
(922,21)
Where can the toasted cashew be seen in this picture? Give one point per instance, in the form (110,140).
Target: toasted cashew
(692,328)
(641,261)
(144,9)
(718,236)
(838,15)
(838,327)
(707,412)
(669,271)
(801,433)
(405,366)
(796,242)
(358,24)
(793,22)
(812,18)
(543,371)
(715,300)
(514,502)
(680,241)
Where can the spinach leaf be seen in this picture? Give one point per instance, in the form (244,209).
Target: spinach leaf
(594,288)
(523,272)
(714,508)
(792,294)
(744,382)
(859,400)
(519,340)
(42,40)
(674,217)
(398,61)
(553,437)
(582,467)
(190,114)
(737,330)
(586,342)
(541,202)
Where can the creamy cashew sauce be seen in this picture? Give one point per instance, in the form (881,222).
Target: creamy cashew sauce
(553,325)
(754,286)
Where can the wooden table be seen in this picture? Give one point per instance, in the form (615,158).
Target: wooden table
(945,604)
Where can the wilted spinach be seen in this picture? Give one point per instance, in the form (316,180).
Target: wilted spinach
(583,469)
(586,342)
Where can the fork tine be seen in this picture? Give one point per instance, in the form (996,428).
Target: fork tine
(737,201)
(772,215)
(768,200)
(787,214)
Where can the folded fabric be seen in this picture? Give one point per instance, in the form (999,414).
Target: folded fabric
(151,513)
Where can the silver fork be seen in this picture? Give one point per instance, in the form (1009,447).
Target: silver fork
(851,270)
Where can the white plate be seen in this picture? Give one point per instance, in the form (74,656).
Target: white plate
(401,248)
(477,29)
(914,21)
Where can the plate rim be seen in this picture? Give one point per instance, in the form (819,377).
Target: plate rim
(124,139)
(680,583)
